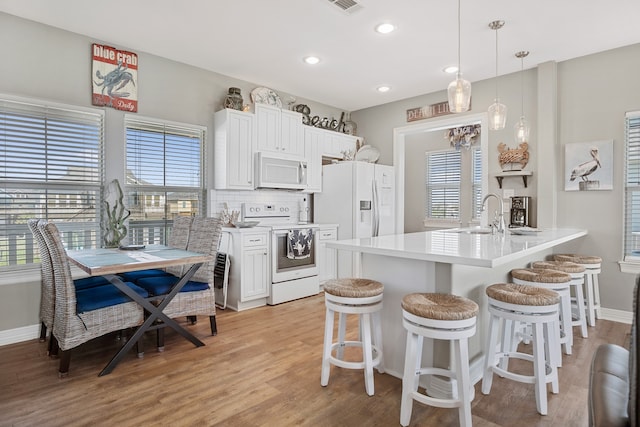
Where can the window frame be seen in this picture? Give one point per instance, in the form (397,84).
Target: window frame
(55,131)
(631,204)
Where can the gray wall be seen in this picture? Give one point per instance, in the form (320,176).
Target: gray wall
(591,106)
(46,63)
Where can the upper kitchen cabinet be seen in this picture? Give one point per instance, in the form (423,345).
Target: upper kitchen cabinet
(279,131)
(335,144)
(234,145)
(314,139)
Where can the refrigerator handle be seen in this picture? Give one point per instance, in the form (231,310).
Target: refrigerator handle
(376,210)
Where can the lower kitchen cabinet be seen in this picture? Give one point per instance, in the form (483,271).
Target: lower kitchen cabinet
(327,257)
(249,273)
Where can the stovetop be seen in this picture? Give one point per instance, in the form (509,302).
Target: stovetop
(273,215)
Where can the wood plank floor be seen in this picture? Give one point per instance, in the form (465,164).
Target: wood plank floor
(263,369)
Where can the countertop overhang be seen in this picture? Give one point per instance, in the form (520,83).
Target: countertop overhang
(451,247)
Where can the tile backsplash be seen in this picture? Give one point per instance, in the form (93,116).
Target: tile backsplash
(235,199)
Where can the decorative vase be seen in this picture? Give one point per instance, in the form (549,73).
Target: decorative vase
(233,99)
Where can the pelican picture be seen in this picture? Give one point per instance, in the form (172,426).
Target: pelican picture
(588,166)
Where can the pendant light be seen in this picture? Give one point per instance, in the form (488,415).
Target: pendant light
(497,111)
(459,90)
(521,128)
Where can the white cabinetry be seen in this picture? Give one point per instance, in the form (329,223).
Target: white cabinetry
(313,148)
(279,131)
(335,143)
(249,274)
(234,144)
(327,257)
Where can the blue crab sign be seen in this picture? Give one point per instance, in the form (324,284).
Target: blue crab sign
(114,77)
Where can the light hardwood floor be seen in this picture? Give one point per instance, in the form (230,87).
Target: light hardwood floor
(263,369)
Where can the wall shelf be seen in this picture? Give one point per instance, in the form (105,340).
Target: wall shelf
(523,174)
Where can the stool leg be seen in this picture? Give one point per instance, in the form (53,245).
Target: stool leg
(566,321)
(596,295)
(553,340)
(539,368)
(342,327)
(591,311)
(490,354)
(461,351)
(377,330)
(326,350)
(367,352)
(581,313)
(410,378)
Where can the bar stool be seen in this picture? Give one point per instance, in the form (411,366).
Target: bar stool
(556,281)
(444,317)
(353,296)
(530,304)
(592,265)
(576,271)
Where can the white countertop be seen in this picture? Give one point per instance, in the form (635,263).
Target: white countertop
(448,246)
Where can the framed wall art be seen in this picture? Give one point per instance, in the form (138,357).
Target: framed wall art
(588,166)
(114,77)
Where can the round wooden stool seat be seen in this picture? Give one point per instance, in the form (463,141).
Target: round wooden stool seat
(578,259)
(353,288)
(522,294)
(564,266)
(439,306)
(540,275)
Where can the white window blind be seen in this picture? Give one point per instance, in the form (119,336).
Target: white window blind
(632,185)
(165,176)
(476,184)
(51,161)
(443,185)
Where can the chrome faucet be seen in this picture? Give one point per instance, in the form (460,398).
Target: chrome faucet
(498,221)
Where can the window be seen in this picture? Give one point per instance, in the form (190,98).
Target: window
(165,176)
(51,167)
(632,186)
(454,185)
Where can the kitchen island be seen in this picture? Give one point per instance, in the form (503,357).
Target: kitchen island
(459,261)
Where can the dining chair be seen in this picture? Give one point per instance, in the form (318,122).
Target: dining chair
(47,287)
(197,297)
(81,315)
(179,238)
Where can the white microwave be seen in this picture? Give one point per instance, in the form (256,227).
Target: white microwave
(275,171)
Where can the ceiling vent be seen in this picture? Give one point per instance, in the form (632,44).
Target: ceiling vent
(346,6)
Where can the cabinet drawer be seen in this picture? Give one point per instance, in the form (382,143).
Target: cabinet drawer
(331,234)
(251,240)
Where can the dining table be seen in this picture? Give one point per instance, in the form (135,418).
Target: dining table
(109,262)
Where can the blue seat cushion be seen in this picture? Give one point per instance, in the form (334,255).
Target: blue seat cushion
(90,282)
(134,276)
(104,296)
(161,285)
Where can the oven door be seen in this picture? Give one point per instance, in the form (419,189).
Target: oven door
(283,266)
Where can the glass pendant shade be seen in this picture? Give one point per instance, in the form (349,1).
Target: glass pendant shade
(521,130)
(459,94)
(497,115)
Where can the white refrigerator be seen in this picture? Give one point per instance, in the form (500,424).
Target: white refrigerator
(360,198)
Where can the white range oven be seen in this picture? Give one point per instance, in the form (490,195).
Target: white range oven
(293,251)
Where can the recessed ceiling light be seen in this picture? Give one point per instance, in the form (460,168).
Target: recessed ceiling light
(452,69)
(311,60)
(385,28)
(384,89)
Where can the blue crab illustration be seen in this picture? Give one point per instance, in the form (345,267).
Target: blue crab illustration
(115,80)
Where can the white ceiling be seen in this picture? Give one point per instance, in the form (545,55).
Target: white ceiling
(263,41)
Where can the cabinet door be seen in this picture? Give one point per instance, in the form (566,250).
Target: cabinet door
(255,276)
(269,125)
(313,146)
(336,143)
(292,133)
(327,257)
(234,144)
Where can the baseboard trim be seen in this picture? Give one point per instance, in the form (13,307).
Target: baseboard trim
(615,315)
(23,333)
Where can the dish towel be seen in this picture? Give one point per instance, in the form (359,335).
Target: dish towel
(299,243)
